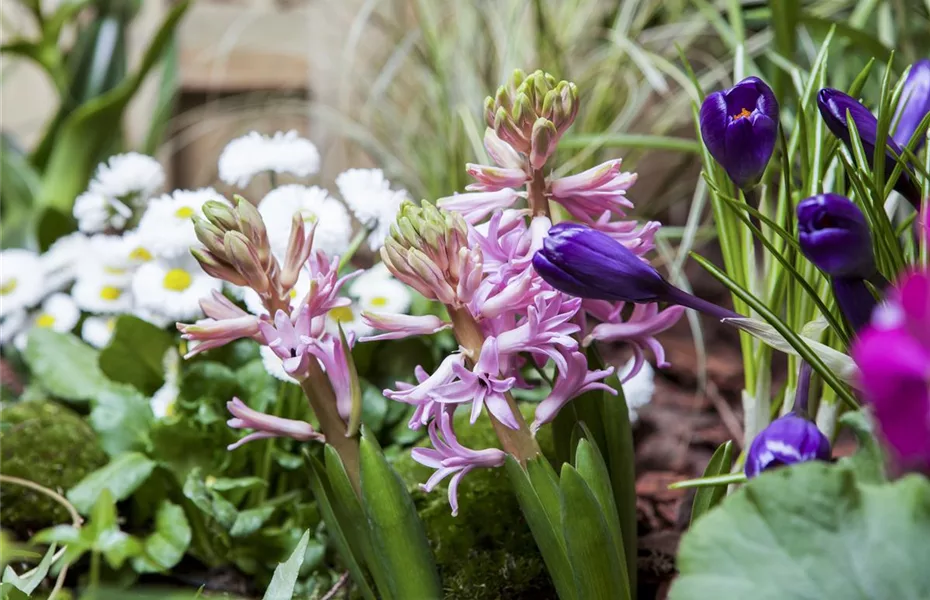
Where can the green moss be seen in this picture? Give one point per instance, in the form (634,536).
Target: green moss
(486,552)
(51,445)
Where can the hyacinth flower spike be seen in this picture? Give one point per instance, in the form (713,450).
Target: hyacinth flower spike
(790,439)
(834,106)
(739,126)
(835,236)
(587,263)
(893,356)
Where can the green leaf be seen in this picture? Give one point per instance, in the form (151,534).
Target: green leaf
(251,520)
(869,460)
(87,131)
(208,501)
(35,576)
(595,562)
(120,477)
(66,535)
(397,534)
(122,417)
(355,388)
(542,510)
(225,484)
(165,547)
(66,366)
(708,497)
(135,354)
(810,531)
(285,575)
(168,88)
(117,546)
(8,591)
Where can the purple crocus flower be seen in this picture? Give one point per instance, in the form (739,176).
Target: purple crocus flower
(739,127)
(834,235)
(449,457)
(787,440)
(893,356)
(913,105)
(588,263)
(834,105)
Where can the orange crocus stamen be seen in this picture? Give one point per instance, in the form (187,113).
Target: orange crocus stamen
(742,115)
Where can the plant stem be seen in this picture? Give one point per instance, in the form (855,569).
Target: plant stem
(518,442)
(94,573)
(536,194)
(354,245)
(319,392)
(264,467)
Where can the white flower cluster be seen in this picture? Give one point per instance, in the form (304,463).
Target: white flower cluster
(252,154)
(120,188)
(370,198)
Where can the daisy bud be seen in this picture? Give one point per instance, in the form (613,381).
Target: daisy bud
(787,440)
(834,105)
(543,141)
(246,261)
(739,126)
(913,105)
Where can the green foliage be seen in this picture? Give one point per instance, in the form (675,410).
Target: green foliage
(120,477)
(811,531)
(48,444)
(135,354)
(285,576)
(707,498)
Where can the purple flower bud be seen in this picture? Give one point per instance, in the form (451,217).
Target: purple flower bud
(834,235)
(584,262)
(913,105)
(787,440)
(833,105)
(739,127)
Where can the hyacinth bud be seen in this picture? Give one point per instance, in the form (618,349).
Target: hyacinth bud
(423,250)
(544,139)
(787,440)
(217,267)
(517,107)
(246,261)
(251,225)
(739,126)
(209,235)
(221,215)
(299,246)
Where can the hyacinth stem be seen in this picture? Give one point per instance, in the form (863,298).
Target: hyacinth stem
(520,443)
(319,392)
(536,194)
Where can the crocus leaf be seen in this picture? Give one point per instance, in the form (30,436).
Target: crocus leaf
(135,354)
(596,566)
(810,531)
(165,547)
(285,575)
(708,497)
(120,477)
(397,534)
(324,496)
(537,492)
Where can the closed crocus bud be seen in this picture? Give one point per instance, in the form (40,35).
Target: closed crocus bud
(739,126)
(584,262)
(787,440)
(913,105)
(834,106)
(834,235)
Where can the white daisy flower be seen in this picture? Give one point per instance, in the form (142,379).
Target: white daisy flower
(60,263)
(130,178)
(98,331)
(58,313)
(172,287)
(166,226)
(153,317)
(108,258)
(350,318)
(253,301)
(96,213)
(245,157)
(368,195)
(10,325)
(136,248)
(164,400)
(21,284)
(97,293)
(639,390)
(274,365)
(333,229)
(378,292)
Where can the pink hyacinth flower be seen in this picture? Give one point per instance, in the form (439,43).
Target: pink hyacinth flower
(639,330)
(449,457)
(329,350)
(288,340)
(546,330)
(491,179)
(399,326)
(575,381)
(475,206)
(225,323)
(601,188)
(325,285)
(893,356)
(267,426)
(422,395)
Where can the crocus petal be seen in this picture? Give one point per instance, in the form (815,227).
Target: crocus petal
(835,236)
(913,105)
(787,440)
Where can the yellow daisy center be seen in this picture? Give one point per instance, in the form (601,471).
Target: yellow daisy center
(140,254)
(8,286)
(114,270)
(342,314)
(177,280)
(45,320)
(378,301)
(170,409)
(185,212)
(108,292)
